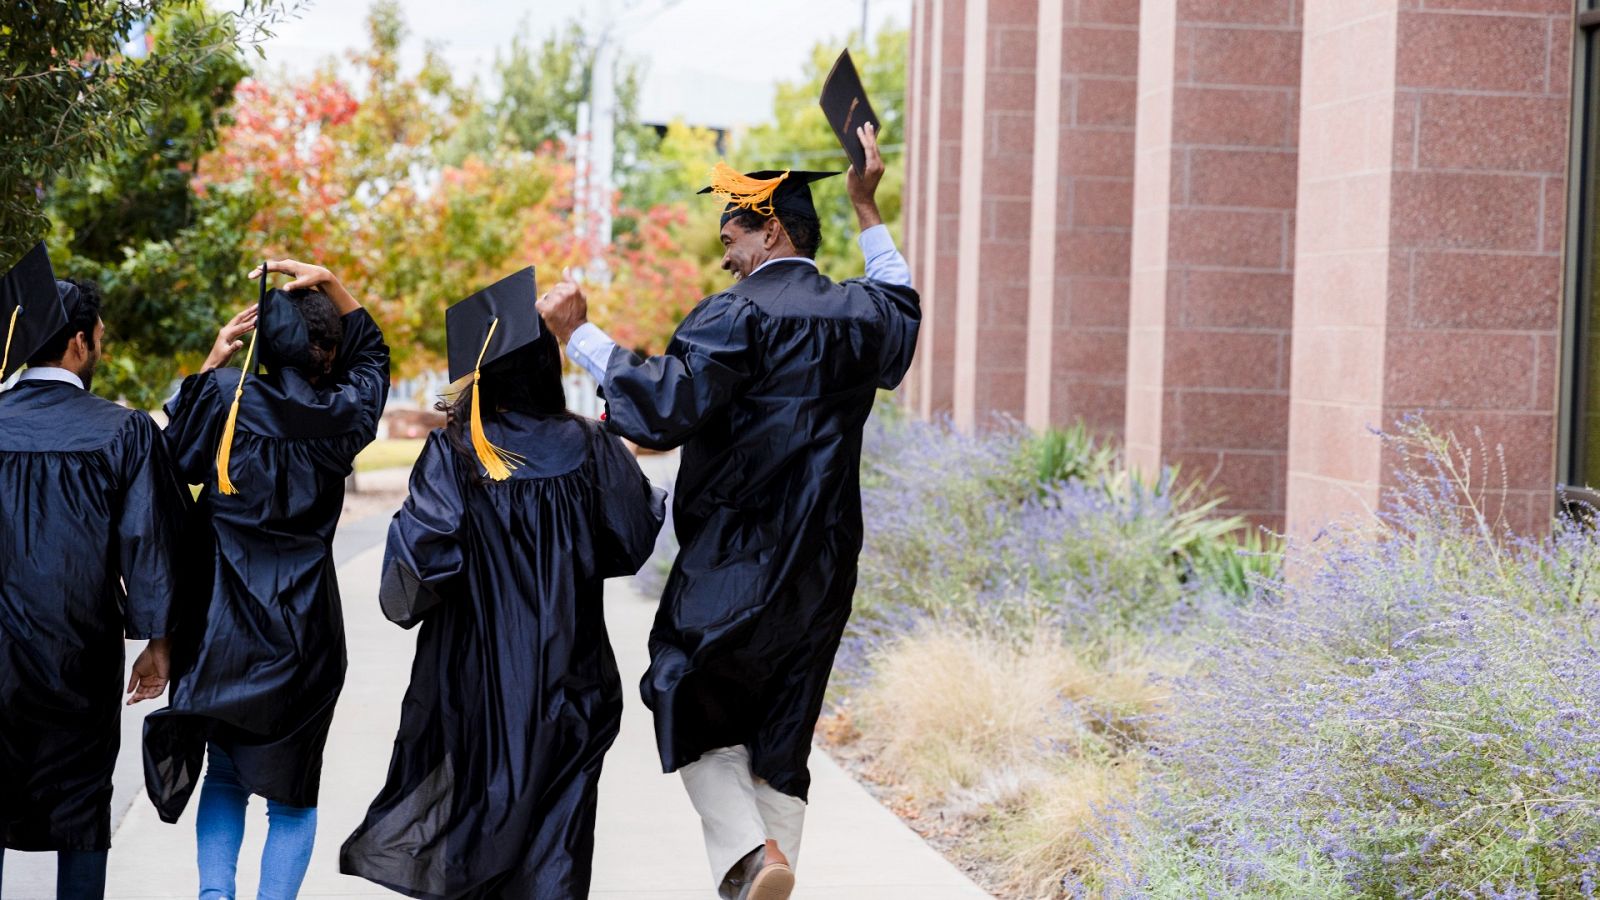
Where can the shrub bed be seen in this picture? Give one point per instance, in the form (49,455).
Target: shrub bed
(1112,691)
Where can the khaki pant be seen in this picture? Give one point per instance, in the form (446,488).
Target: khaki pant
(739,812)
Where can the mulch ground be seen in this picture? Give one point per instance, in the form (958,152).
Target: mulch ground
(952,835)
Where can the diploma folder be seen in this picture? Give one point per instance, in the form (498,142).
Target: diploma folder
(845,103)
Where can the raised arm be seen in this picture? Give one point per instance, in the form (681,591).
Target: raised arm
(659,401)
(362,364)
(883,260)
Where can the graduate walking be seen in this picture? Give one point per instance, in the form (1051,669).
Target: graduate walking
(256,682)
(518,510)
(766,386)
(90,513)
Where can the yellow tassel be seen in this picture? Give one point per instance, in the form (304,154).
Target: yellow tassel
(5,358)
(498,462)
(754,194)
(225,449)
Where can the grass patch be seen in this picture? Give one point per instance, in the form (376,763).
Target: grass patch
(392,453)
(1028,741)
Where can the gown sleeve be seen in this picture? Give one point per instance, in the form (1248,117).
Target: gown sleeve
(424,556)
(363,368)
(660,401)
(154,505)
(194,423)
(630,511)
(900,316)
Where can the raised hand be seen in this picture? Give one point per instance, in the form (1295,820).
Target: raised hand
(306,275)
(230,338)
(564,307)
(863,186)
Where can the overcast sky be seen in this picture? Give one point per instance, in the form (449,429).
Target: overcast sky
(710,62)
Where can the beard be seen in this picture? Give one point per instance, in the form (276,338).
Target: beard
(87,375)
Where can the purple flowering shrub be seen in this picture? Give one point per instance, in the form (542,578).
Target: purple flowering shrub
(1009,532)
(1414,713)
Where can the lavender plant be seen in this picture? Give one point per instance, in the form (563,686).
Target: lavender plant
(1009,532)
(1416,715)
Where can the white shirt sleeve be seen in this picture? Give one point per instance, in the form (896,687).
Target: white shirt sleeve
(591,348)
(883,260)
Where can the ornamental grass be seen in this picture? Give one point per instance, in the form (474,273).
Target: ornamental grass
(1126,696)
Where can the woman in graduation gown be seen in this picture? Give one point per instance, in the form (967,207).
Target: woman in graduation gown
(499,553)
(259,676)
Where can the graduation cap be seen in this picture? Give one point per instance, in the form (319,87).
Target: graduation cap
(766,193)
(285,339)
(844,101)
(34,306)
(488,326)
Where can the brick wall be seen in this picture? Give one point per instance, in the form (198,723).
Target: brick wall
(1081,225)
(1245,232)
(1431,237)
(1214,245)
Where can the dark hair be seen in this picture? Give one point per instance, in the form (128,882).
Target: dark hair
(85,315)
(804,232)
(323,326)
(527,380)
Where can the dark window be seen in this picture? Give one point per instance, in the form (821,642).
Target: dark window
(1580,456)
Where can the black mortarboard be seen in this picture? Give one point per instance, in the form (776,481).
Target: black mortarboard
(508,305)
(844,102)
(490,325)
(766,192)
(34,306)
(285,340)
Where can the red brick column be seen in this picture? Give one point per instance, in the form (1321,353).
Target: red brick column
(996,174)
(1213,245)
(912,233)
(1428,268)
(1082,220)
(932,246)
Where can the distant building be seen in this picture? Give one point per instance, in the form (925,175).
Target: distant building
(1237,234)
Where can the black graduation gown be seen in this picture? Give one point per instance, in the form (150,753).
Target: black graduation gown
(90,517)
(766,386)
(514,695)
(267,663)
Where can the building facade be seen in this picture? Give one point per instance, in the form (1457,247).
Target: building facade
(1240,235)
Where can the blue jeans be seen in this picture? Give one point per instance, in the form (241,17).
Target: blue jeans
(80,874)
(219,829)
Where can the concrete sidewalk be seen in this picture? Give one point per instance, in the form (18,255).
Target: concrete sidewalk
(648,841)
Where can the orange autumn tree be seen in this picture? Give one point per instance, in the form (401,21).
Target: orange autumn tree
(375,184)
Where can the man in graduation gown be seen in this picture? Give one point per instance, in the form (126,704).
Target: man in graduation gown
(90,510)
(766,386)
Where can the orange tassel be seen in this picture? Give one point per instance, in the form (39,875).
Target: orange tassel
(754,194)
(225,448)
(499,463)
(5,358)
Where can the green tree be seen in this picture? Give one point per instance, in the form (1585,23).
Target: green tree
(799,137)
(169,260)
(72,94)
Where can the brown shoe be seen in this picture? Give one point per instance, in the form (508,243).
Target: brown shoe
(775,881)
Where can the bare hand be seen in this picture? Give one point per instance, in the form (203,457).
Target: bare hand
(306,275)
(564,308)
(149,676)
(863,186)
(229,338)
